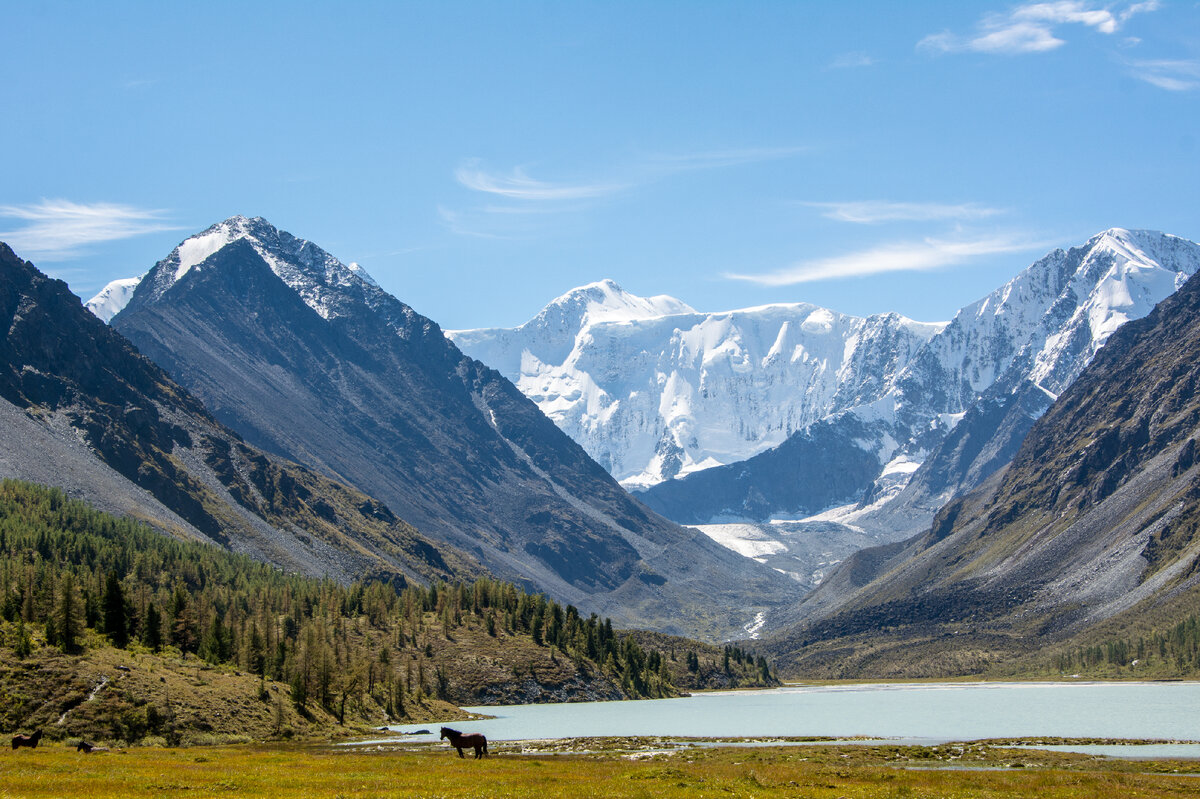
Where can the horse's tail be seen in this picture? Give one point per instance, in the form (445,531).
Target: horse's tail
(485,751)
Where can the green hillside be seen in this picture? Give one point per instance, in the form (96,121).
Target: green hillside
(112,631)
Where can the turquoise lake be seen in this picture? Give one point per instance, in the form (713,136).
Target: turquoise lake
(913,712)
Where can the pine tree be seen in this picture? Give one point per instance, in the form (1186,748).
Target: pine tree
(116,620)
(68,615)
(152,628)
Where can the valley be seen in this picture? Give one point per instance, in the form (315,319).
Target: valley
(350,440)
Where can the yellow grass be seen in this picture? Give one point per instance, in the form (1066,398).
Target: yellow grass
(820,771)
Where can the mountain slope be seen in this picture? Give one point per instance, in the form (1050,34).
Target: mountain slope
(1094,523)
(308,358)
(81,409)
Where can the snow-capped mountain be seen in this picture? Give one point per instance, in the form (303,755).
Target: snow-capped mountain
(653,389)
(308,358)
(656,398)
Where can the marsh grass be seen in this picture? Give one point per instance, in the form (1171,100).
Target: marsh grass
(429,771)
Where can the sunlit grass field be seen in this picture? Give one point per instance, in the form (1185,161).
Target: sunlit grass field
(811,771)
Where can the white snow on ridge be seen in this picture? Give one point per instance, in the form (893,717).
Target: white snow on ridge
(113,298)
(318,277)
(653,389)
(194,251)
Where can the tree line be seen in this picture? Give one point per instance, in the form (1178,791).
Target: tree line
(1173,651)
(69,572)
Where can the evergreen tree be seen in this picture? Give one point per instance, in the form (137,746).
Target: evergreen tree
(152,628)
(68,617)
(116,620)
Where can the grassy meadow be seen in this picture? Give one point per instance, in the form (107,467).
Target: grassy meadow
(611,768)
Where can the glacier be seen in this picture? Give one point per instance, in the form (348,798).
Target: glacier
(656,391)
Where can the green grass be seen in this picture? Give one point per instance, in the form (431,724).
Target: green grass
(978,771)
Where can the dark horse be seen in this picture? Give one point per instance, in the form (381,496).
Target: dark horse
(27,740)
(460,741)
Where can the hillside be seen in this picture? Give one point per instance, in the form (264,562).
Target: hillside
(81,409)
(1089,534)
(109,630)
(308,358)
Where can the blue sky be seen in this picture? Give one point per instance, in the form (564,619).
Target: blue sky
(481,158)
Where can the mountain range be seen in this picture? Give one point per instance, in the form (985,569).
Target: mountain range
(796,434)
(307,358)
(1090,535)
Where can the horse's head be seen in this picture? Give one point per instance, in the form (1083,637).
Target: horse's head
(446,731)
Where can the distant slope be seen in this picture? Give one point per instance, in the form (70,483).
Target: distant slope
(1093,526)
(308,358)
(81,409)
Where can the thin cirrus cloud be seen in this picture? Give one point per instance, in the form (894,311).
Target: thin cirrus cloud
(517,199)
(1031,27)
(58,230)
(1174,76)
(517,185)
(874,212)
(912,256)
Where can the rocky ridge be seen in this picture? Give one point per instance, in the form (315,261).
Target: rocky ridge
(310,359)
(81,409)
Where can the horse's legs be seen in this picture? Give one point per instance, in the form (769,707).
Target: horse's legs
(460,754)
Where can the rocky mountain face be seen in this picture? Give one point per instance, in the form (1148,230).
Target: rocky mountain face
(308,358)
(1093,526)
(82,410)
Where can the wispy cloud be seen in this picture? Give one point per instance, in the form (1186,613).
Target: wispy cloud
(911,256)
(1175,76)
(517,198)
(517,185)
(853,60)
(1031,27)
(58,230)
(873,212)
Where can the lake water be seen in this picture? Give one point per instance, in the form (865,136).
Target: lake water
(922,712)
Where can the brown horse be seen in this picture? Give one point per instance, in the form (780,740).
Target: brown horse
(27,740)
(460,741)
(87,748)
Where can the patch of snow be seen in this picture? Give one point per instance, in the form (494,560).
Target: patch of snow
(200,248)
(113,298)
(745,539)
(754,628)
